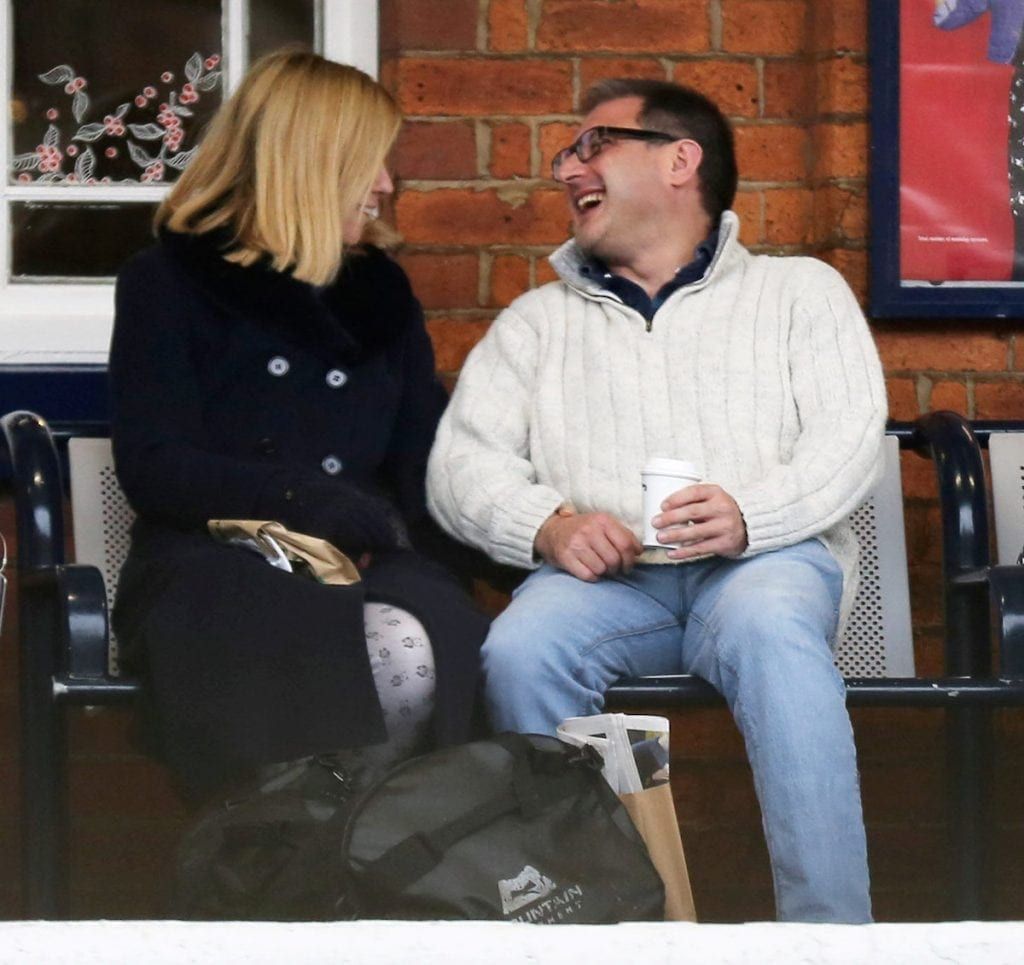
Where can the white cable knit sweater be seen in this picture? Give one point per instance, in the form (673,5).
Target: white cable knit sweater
(763,372)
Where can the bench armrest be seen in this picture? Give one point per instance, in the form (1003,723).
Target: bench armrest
(63,624)
(84,625)
(947,438)
(1006,592)
(37,489)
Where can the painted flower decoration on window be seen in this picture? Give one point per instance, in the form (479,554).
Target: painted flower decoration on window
(153,146)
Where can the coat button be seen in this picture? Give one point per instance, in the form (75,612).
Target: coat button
(266,446)
(331,465)
(278,365)
(336,378)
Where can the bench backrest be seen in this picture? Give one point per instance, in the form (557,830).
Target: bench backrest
(877,641)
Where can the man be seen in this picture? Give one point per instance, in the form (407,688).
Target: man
(761,370)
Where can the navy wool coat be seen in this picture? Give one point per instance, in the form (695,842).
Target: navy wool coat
(242,393)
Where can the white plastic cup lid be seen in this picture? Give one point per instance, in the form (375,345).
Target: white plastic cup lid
(664,466)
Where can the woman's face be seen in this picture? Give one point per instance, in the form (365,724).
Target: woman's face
(352,229)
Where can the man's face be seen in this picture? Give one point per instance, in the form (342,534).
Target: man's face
(618,199)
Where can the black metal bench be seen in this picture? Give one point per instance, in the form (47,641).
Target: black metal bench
(64,637)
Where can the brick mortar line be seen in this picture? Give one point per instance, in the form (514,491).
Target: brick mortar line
(486,182)
(547,56)
(485,272)
(483,183)
(816,57)
(478,313)
(847,183)
(563,117)
(982,376)
(785,248)
(483,140)
(849,244)
(715,24)
(533,18)
(761,93)
(757,185)
(492,118)
(671,58)
(483,26)
(838,117)
(503,249)
(535,151)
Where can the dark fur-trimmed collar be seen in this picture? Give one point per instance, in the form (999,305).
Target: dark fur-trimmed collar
(366,308)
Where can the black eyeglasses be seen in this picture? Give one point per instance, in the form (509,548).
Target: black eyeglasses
(594,139)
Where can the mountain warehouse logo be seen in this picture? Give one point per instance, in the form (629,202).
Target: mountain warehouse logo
(533,889)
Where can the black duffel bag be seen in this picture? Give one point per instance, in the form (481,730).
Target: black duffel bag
(517,828)
(272,851)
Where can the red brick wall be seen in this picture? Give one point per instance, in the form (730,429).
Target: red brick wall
(491,88)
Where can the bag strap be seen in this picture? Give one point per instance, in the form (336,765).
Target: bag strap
(533,788)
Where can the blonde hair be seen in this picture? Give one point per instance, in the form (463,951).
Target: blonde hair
(285,161)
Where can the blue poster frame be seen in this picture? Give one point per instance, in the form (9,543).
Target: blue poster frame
(887,297)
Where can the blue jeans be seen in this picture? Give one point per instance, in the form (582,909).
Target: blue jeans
(759,630)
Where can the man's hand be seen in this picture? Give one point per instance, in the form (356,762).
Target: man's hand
(587,545)
(705,519)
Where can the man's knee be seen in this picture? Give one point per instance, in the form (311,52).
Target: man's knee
(522,652)
(530,676)
(777,603)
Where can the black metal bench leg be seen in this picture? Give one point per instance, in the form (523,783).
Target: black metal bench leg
(969,732)
(43,766)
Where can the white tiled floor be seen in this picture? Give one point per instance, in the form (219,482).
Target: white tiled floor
(481,943)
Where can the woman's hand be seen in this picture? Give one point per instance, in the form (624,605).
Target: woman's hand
(355,521)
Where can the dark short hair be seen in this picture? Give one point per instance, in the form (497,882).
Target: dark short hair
(680,110)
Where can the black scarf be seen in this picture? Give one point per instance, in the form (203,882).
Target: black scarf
(365,309)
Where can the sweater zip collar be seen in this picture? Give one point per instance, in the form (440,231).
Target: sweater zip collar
(569,259)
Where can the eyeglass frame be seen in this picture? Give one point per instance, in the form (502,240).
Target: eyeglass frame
(606,135)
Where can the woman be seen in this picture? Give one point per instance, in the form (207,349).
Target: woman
(268,363)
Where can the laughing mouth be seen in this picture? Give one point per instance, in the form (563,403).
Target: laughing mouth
(588,201)
(371,211)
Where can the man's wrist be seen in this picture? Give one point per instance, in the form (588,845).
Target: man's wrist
(563,511)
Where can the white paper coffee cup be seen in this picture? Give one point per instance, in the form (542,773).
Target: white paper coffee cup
(660,478)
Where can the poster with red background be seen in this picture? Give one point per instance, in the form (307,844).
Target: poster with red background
(955,221)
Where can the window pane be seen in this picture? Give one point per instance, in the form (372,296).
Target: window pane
(111,90)
(87,240)
(274,23)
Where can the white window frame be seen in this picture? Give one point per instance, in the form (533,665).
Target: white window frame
(50,323)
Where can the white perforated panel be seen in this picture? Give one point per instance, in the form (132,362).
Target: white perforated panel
(877,641)
(1006,460)
(101,515)
(861,653)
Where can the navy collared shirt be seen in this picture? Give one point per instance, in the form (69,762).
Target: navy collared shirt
(635,297)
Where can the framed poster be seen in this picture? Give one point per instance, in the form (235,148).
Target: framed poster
(947,159)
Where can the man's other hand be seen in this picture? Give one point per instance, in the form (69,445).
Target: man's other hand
(705,520)
(587,545)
